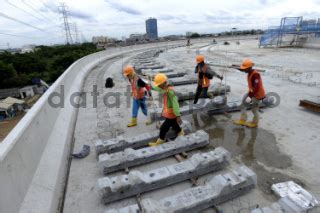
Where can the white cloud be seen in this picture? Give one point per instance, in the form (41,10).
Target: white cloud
(121,17)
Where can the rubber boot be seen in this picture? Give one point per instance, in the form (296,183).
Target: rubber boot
(181,133)
(133,122)
(251,124)
(156,143)
(239,122)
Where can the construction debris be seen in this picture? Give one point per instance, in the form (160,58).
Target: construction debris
(313,106)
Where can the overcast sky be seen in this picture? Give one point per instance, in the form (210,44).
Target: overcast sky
(39,21)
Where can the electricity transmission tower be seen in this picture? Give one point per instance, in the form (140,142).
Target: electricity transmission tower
(76,33)
(64,12)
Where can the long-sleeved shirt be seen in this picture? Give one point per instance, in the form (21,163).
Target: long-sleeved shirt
(172,100)
(208,70)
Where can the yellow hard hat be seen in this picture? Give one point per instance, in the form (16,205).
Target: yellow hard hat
(199,58)
(128,70)
(247,62)
(160,79)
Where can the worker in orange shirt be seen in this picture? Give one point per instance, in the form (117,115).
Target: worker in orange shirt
(255,91)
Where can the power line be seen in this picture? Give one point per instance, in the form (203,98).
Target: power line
(27,37)
(21,22)
(19,36)
(35,10)
(15,6)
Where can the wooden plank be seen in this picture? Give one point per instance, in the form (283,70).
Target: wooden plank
(313,106)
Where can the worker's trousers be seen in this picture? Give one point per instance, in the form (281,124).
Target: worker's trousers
(254,109)
(137,103)
(167,124)
(200,89)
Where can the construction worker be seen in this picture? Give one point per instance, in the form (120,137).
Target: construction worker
(171,109)
(256,93)
(204,75)
(139,89)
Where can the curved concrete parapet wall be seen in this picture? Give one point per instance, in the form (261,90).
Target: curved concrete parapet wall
(34,156)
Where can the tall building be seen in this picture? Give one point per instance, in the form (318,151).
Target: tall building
(152,28)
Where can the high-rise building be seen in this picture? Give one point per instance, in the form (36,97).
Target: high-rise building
(152,28)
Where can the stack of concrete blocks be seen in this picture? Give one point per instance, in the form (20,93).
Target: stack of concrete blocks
(120,143)
(219,189)
(130,157)
(137,182)
(293,198)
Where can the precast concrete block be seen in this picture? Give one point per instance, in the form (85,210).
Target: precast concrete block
(139,68)
(156,113)
(163,70)
(130,157)
(120,143)
(136,182)
(293,198)
(175,75)
(183,81)
(219,189)
(128,209)
(188,93)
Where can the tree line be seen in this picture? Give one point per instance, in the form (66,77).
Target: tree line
(47,63)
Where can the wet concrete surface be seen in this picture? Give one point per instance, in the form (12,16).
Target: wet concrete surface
(257,148)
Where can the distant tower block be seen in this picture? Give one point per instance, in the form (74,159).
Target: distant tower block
(152,28)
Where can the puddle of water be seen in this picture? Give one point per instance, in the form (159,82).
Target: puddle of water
(255,148)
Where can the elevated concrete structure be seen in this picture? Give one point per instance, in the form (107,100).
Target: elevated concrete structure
(128,158)
(120,143)
(46,133)
(136,182)
(219,189)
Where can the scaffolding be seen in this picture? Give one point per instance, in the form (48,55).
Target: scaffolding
(293,31)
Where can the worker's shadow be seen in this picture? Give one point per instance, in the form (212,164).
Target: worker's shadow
(247,150)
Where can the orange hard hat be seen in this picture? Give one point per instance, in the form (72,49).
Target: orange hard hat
(247,62)
(199,58)
(128,70)
(160,79)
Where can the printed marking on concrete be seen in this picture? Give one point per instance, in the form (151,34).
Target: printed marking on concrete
(136,182)
(130,157)
(219,189)
(120,143)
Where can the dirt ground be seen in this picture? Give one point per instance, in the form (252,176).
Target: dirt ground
(7,125)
